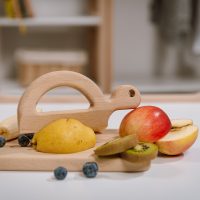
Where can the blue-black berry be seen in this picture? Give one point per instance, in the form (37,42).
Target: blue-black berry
(25,140)
(30,135)
(90,169)
(2,141)
(60,173)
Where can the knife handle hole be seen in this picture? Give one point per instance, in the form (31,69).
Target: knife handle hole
(131,93)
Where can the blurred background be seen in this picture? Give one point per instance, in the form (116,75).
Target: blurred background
(152,44)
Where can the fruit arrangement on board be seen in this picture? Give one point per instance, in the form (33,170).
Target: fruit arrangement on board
(144,133)
(151,124)
(152,132)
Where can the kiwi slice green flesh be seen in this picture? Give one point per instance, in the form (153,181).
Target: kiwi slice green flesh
(116,146)
(142,151)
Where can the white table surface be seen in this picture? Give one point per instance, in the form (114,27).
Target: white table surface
(171,178)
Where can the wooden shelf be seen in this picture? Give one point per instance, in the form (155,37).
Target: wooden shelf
(96,14)
(58,21)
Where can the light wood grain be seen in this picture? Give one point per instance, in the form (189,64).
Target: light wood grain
(104,41)
(96,116)
(100,44)
(14,157)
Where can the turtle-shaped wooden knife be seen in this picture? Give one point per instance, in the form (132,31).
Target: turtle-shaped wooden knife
(96,116)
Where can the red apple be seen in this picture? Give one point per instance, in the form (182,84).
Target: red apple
(150,123)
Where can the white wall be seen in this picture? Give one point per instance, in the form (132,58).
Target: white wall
(133,40)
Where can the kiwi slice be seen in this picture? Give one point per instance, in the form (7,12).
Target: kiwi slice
(141,152)
(116,146)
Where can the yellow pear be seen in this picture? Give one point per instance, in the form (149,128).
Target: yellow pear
(64,136)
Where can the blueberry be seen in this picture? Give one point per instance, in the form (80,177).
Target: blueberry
(24,140)
(90,169)
(60,173)
(30,135)
(2,141)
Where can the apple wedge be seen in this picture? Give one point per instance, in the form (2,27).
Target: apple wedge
(178,140)
(179,123)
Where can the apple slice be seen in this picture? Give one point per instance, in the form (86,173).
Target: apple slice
(178,141)
(179,123)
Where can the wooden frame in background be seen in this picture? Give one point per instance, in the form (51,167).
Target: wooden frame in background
(166,98)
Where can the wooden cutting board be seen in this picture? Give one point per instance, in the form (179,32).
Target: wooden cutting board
(14,157)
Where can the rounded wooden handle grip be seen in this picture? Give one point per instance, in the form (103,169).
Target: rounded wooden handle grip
(52,80)
(125,97)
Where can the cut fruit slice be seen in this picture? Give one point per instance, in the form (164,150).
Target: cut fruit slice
(116,146)
(179,123)
(178,141)
(142,151)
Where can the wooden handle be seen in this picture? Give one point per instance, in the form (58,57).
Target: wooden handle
(124,97)
(56,79)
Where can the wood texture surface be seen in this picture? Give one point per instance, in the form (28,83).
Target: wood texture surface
(14,157)
(104,41)
(96,116)
(100,44)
